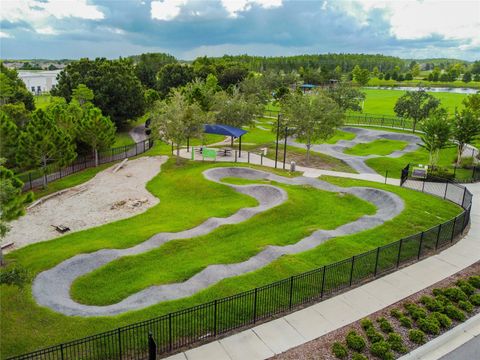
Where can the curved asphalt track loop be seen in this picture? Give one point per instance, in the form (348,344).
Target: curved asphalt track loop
(363,136)
(51,287)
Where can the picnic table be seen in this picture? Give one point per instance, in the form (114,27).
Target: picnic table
(226,151)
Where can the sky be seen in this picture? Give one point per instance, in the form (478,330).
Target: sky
(71,29)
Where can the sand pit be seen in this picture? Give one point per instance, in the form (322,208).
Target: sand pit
(105,198)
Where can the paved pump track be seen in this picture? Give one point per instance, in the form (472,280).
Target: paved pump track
(51,288)
(362,136)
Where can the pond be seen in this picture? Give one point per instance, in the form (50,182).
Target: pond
(430,89)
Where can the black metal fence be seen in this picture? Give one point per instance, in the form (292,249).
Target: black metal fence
(207,321)
(36,178)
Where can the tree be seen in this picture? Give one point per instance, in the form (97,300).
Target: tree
(255,89)
(17,113)
(281,92)
(361,76)
(172,76)
(43,142)
(375,72)
(467,77)
(176,119)
(96,130)
(13,89)
(472,103)
(149,65)
(415,70)
(436,134)
(8,139)
(235,110)
(346,96)
(466,129)
(231,74)
(82,94)
(12,200)
(312,118)
(118,92)
(416,105)
(202,91)
(151,96)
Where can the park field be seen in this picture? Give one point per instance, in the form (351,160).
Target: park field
(27,326)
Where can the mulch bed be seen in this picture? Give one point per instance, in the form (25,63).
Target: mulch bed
(321,348)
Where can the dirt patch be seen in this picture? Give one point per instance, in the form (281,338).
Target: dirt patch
(321,348)
(105,198)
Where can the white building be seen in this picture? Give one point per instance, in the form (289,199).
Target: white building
(39,82)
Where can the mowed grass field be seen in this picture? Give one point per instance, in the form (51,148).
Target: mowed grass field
(382,102)
(27,326)
(377,147)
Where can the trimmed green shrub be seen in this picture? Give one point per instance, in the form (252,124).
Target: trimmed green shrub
(358,356)
(429,325)
(373,335)
(396,342)
(475,299)
(385,325)
(437,292)
(366,323)
(454,313)
(431,303)
(406,322)
(381,349)
(416,336)
(443,299)
(355,341)
(396,313)
(415,311)
(466,287)
(466,306)
(442,319)
(15,275)
(455,294)
(339,350)
(475,281)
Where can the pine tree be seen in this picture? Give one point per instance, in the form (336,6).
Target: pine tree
(8,139)
(12,200)
(96,130)
(43,142)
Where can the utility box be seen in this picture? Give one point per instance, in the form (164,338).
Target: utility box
(292,166)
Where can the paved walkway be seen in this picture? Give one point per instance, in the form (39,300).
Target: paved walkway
(274,337)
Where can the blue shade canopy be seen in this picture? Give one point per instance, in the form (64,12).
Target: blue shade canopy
(224,130)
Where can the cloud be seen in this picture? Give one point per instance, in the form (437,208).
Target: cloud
(166,9)
(3,34)
(40,14)
(234,7)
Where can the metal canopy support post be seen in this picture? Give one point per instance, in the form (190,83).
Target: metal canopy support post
(240,147)
(285,148)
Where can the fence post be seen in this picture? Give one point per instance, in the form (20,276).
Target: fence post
(136,149)
(351,270)
(215,318)
(152,348)
(399,252)
(423,185)
(255,306)
(386,176)
(248,157)
(61,350)
(376,262)
(119,343)
(170,345)
(463,198)
(438,236)
(323,281)
(261,159)
(446,188)
(236,155)
(453,229)
(291,293)
(420,247)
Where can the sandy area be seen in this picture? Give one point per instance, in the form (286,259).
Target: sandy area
(106,198)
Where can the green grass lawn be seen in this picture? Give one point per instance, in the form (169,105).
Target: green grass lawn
(382,102)
(378,147)
(179,260)
(42,101)
(26,326)
(122,139)
(420,156)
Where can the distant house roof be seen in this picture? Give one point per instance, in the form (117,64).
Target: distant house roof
(224,130)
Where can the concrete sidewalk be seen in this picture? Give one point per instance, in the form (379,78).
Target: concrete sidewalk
(274,337)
